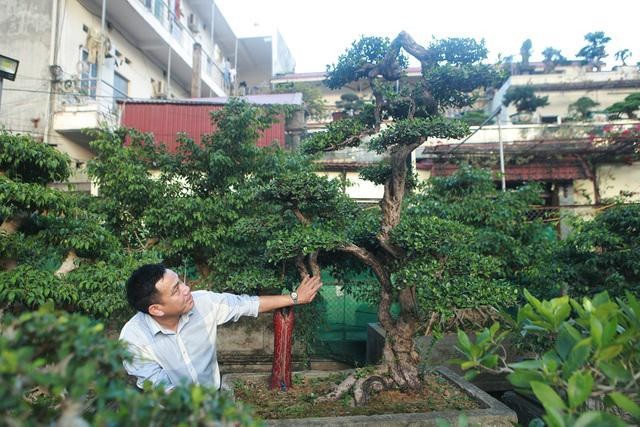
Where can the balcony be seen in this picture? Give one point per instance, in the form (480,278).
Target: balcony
(154,29)
(88,104)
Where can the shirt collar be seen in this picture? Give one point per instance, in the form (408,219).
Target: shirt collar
(155,327)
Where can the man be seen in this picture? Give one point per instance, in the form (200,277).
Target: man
(173,335)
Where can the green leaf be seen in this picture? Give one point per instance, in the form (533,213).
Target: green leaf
(610,352)
(614,371)
(626,404)
(547,396)
(527,364)
(578,356)
(596,331)
(579,389)
(464,342)
(554,418)
(523,379)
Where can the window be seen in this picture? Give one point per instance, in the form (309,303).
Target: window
(89,77)
(121,86)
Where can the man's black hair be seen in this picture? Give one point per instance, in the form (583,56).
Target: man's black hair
(141,286)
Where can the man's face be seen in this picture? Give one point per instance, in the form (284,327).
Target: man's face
(175,295)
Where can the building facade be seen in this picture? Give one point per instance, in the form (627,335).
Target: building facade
(81,59)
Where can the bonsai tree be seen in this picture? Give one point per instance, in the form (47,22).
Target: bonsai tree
(524,99)
(350,103)
(582,107)
(451,70)
(622,56)
(595,50)
(552,58)
(627,107)
(525,53)
(207,207)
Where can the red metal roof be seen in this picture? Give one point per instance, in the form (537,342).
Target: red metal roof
(165,120)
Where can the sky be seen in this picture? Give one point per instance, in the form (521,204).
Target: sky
(317,32)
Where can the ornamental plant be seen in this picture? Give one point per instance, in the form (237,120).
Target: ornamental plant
(589,374)
(61,368)
(603,254)
(51,247)
(393,126)
(524,99)
(207,206)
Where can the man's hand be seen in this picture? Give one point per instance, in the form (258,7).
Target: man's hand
(308,289)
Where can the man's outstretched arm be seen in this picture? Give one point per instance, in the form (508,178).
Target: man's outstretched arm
(307,291)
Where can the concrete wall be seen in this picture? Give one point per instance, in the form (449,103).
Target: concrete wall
(559,100)
(25,30)
(618,180)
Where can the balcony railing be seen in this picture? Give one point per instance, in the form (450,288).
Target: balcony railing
(170,21)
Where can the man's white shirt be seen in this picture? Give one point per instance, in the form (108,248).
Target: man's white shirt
(188,355)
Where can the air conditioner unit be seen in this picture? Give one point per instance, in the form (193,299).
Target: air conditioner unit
(192,23)
(157,88)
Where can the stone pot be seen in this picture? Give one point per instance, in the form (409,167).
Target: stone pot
(492,413)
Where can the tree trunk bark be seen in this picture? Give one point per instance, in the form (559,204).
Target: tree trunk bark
(283,323)
(11,225)
(68,265)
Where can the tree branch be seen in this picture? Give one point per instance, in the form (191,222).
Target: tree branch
(313,264)
(302,269)
(303,219)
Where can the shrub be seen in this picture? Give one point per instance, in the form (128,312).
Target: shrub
(589,375)
(61,368)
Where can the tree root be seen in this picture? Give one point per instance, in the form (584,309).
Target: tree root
(361,388)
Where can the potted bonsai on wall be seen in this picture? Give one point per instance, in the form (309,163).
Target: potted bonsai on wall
(526,102)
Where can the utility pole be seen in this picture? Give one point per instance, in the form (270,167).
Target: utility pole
(502,172)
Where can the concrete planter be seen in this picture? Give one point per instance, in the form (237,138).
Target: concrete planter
(492,413)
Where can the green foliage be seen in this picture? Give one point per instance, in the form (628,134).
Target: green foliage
(61,368)
(95,289)
(25,160)
(604,253)
(524,99)
(582,107)
(628,107)
(592,356)
(552,58)
(378,173)
(441,257)
(351,65)
(350,103)
(493,231)
(124,178)
(596,49)
(474,117)
(458,51)
(408,132)
(314,104)
(341,133)
(525,51)
(622,56)
(18,198)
